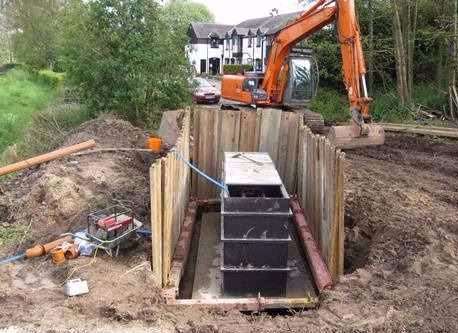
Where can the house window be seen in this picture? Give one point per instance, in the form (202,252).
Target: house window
(258,65)
(250,41)
(258,41)
(227,43)
(214,43)
(234,41)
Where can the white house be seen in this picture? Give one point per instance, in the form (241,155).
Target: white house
(249,42)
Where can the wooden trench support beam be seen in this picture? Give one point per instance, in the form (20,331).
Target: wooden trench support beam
(320,272)
(182,249)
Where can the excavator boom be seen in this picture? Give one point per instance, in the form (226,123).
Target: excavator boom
(278,72)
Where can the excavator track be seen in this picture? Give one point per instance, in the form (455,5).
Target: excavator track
(313,120)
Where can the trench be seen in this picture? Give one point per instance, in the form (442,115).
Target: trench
(202,278)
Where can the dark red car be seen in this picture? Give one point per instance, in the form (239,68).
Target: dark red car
(205,92)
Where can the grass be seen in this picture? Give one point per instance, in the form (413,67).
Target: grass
(50,127)
(21,96)
(12,234)
(331,105)
(386,106)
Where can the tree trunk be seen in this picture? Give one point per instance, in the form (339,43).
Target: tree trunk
(411,32)
(400,54)
(404,49)
(453,102)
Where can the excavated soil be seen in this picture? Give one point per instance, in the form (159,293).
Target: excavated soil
(401,243)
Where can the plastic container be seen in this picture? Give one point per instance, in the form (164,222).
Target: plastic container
(76,287)
(154,144)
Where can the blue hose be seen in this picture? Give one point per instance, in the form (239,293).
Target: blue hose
(11,259)
(220,185)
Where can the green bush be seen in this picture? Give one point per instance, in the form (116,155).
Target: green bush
(387,108)
(49,128)
(126,57)
(331,105)
(50,78)
(431,97)
(237,69)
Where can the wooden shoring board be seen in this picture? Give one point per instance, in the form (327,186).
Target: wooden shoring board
(175,192)
(291,174)
(195,148)
(282,150)
(341,216)
(269,132)
(249,130)
(208,148)
(167,207)
(320,184)
(326,199)
(423,130)
(300,163)
(229,136)
(156,221)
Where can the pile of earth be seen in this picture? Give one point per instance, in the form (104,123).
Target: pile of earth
(56,197)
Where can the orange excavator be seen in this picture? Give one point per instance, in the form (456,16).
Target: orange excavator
(290,78)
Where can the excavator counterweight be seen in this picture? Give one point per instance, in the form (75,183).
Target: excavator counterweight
(290,78)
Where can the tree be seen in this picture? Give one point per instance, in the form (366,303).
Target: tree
(6,42)
(404,30)
(453,94)
(33,25)
(128,56)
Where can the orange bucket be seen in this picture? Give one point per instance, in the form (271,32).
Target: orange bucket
(58,256)
(154,144)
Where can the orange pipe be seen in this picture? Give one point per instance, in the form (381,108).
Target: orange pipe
(40,250)
(46,157)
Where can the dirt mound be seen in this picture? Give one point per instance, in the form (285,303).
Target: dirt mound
(56,197)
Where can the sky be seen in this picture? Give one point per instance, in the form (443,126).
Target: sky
(236,11)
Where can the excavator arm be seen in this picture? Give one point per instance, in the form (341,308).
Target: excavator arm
(319,15)
(275,81)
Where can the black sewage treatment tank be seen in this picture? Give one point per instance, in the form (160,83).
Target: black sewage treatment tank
(255,223)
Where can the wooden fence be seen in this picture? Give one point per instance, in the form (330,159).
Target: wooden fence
(308,165)
(267,130)
(169,190)
(320,187)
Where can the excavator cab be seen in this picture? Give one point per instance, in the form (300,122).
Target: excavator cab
(302,80)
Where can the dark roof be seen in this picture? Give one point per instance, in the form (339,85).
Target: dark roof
(268,25)
(275,23)
(202,30)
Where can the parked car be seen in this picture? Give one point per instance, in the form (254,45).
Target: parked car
(205,92)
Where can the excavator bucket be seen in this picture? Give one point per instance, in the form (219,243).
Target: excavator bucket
(350,137)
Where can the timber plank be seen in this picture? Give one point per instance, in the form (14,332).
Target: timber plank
(283,146)
(248,131)
(195,148)
(156,221)
(229,136)
(270,130)
(291,173)
(166,218)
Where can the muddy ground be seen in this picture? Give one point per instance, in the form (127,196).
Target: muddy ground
(401,248)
